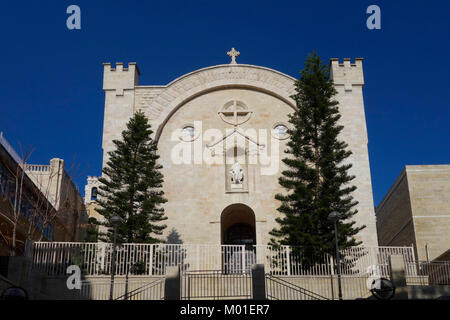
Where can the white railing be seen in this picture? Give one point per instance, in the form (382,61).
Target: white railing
(359,259)
(37,168)
(53,258)
(428,272)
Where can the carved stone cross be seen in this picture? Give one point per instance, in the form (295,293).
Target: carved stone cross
(233,54)
(238,115)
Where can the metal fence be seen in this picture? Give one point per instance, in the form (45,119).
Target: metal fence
(215,284)
(428,272)
(53,258)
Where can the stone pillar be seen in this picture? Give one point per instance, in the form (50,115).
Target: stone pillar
(398,276)
(172,287)
(258,282)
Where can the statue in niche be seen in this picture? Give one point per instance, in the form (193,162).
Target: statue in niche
(237,173)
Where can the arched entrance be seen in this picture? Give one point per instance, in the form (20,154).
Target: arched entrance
(238,225)
(238,238)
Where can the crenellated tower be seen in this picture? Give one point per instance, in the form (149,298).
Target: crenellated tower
(119,84)
(348,79)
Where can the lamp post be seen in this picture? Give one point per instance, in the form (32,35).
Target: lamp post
(115,221)
(334,217)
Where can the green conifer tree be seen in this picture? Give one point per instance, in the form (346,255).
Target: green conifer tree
(316,179)
(131,186)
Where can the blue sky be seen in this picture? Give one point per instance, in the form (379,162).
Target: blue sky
(50,89)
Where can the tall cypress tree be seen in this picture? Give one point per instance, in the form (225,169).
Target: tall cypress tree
(316,179)
(131,186)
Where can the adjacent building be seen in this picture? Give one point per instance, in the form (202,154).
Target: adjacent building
(55,182)
(48,205)
(416,210)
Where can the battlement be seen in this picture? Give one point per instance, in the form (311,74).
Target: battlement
(92,180)
(347,73)
(120,78)
(132,66)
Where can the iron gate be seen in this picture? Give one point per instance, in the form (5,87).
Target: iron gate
(215,284)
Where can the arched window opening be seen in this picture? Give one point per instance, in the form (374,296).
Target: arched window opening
(94,194)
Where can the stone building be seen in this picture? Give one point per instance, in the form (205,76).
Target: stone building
(57,186)
(49,209)
(416,210)
(221,132)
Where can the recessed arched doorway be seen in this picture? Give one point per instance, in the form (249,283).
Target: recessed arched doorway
(238,235)
(238,225)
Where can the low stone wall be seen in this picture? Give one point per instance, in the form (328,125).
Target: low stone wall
(353,287)
(98,288)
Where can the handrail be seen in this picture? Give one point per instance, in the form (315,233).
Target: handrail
(294,287)
(136,291)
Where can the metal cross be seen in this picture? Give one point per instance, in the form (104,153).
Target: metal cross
(233,54)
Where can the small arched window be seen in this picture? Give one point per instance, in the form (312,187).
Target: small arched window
(94,194)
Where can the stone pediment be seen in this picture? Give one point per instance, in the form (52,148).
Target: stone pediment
(160,102)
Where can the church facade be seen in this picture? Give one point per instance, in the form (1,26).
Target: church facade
(221,133)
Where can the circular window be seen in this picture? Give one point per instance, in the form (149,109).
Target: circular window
(188,133)
(279,131)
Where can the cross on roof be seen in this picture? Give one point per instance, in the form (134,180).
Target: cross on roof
(233,54)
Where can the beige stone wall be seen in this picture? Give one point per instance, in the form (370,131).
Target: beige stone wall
(196,192)
(353,287)
(416,210)
(429,187)
(394,219)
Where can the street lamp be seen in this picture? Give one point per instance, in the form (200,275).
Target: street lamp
(115,222)
(334,217)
